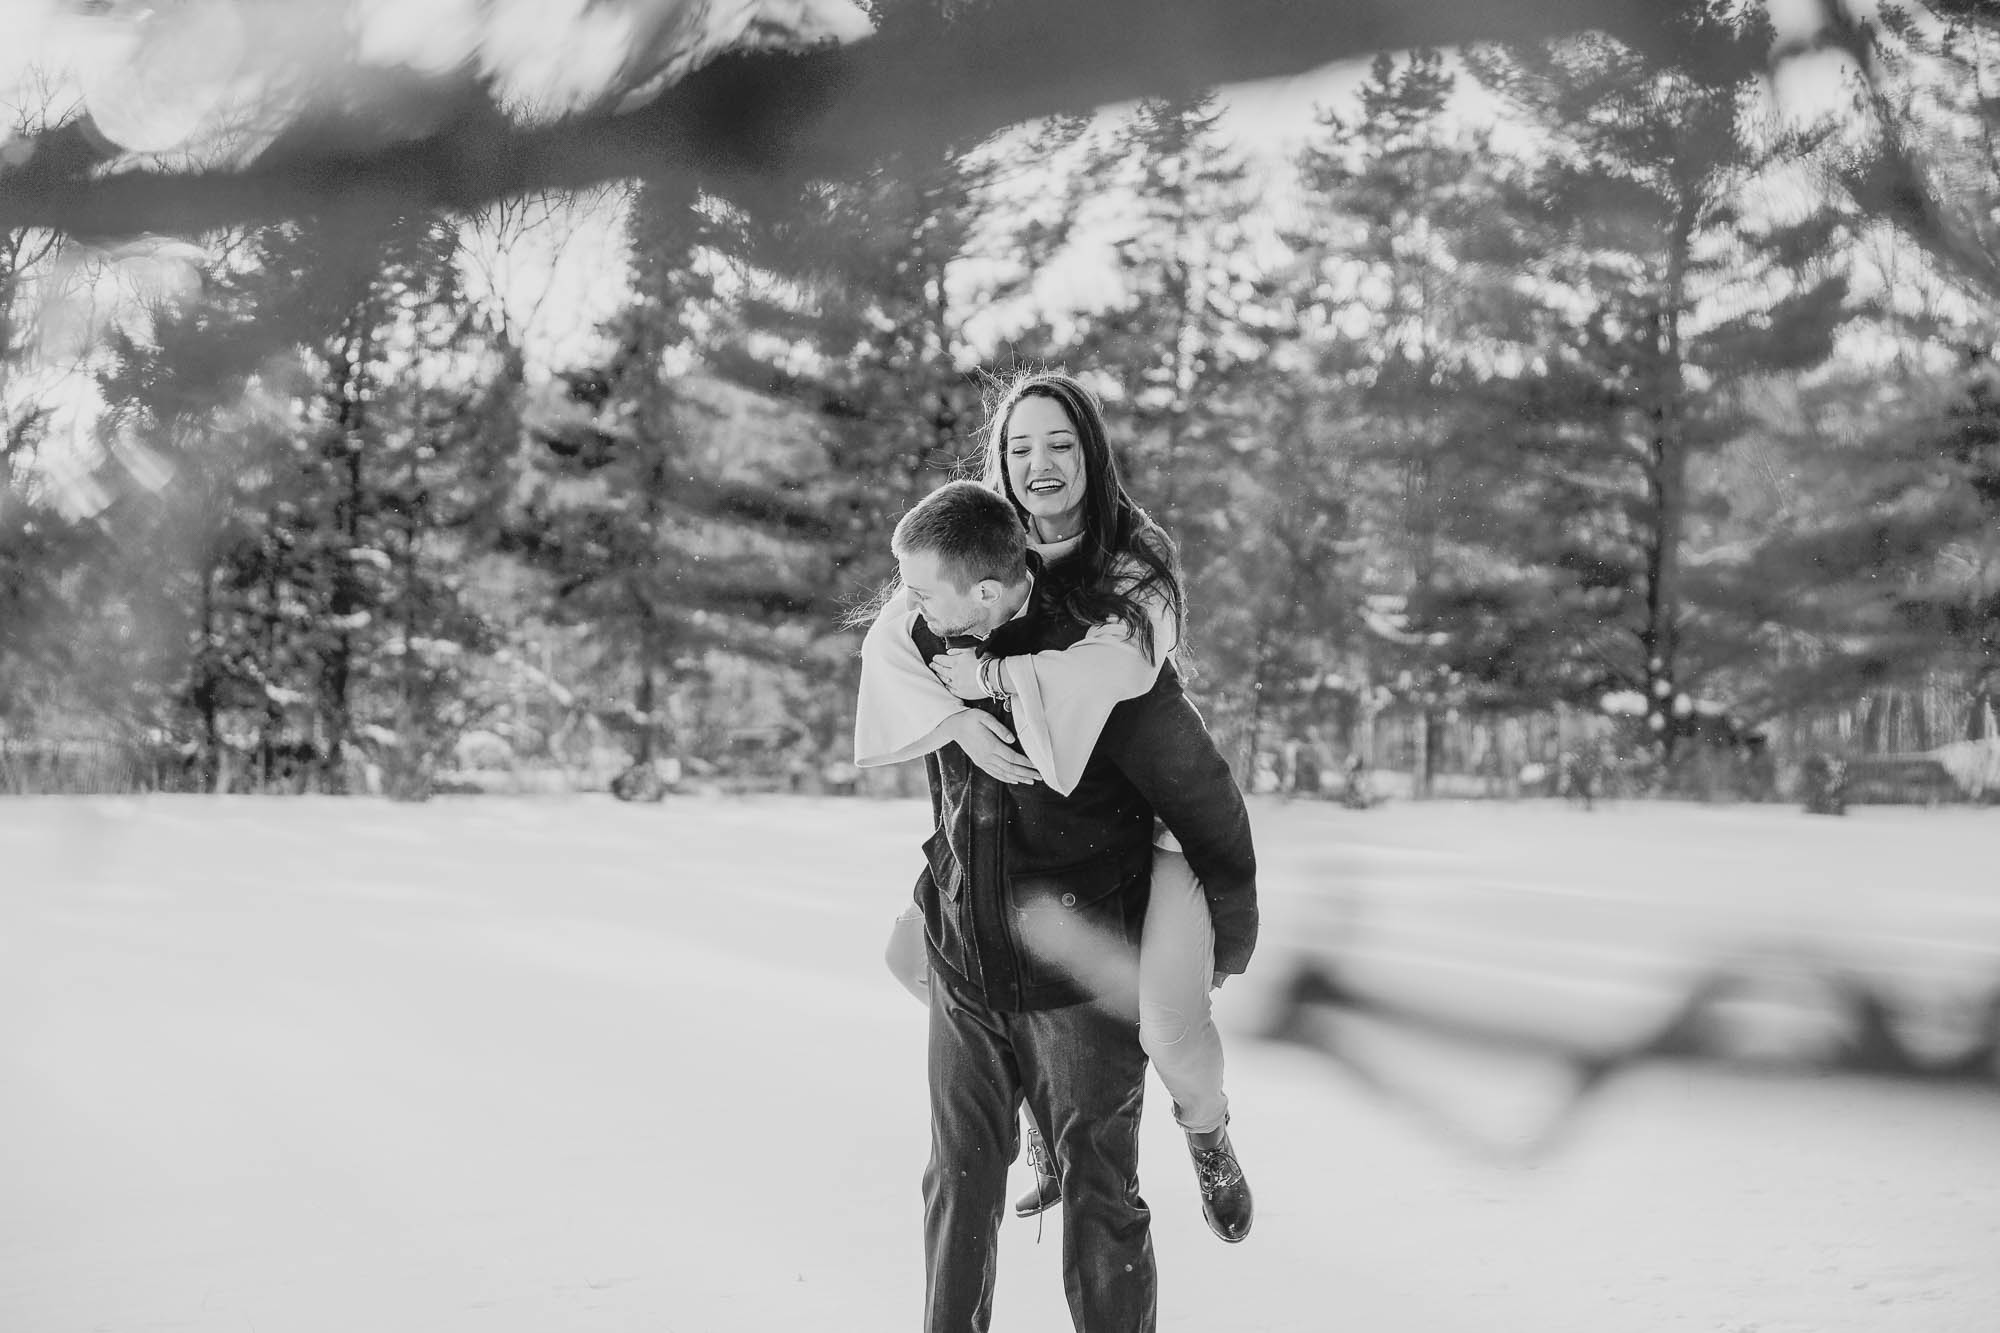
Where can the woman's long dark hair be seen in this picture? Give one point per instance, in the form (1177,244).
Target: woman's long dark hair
(1113,525)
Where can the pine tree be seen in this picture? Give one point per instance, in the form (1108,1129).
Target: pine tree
(443,452)
(1192,321)
(1196,405)
(667,549)
(1277,613)
(856,312)
(1894,579)
(1895,576)
(42,549)
(1929,167)
(307,543)
(1406,280)
(1689,297)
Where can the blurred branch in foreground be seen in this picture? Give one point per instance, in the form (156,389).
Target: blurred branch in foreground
(1397,1048)
(756,126)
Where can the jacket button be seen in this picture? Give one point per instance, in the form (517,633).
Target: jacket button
(1069,900)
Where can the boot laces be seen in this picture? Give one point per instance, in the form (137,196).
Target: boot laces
(1216,1169)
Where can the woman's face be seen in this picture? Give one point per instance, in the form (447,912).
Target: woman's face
(1045,467)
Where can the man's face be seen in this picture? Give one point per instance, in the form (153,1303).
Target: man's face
(948,609)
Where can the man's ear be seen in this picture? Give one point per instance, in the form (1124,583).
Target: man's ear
(986,591)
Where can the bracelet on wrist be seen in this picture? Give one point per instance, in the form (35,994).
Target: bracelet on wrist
(992,681)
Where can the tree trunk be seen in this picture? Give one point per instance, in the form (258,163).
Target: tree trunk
(205,688)
(1873,721)
(1181,286)
(337,677)
(1432,733)
(413,739)
(274,720)
(643,703)
(1667,485)
(1259,686)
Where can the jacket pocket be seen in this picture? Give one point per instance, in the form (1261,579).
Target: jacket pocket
(941,892)
(945,870)
(1080,923)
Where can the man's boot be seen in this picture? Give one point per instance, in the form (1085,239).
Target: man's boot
(1225,1194)
(1047,1192)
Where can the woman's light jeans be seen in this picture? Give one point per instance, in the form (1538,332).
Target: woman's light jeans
(1176,964)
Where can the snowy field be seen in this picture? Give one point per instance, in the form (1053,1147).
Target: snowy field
(314,1066)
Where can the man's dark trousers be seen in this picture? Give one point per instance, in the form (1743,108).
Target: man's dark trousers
(1082,1073)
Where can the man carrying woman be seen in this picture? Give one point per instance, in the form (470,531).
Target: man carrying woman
(1033,885)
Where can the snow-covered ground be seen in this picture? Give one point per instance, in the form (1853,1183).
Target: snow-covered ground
(562,1064)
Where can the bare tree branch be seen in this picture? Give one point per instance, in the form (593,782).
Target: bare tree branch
(526,232)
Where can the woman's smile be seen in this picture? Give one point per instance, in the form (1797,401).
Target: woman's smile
(1045,467)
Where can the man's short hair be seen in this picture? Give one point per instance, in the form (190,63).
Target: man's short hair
(974,533)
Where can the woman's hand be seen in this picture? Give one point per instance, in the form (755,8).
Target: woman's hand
(959,670)
(988,744)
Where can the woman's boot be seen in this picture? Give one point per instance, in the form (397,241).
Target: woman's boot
(1047,1192)
(1225,1194)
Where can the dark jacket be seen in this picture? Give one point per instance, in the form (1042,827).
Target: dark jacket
(1002,850)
